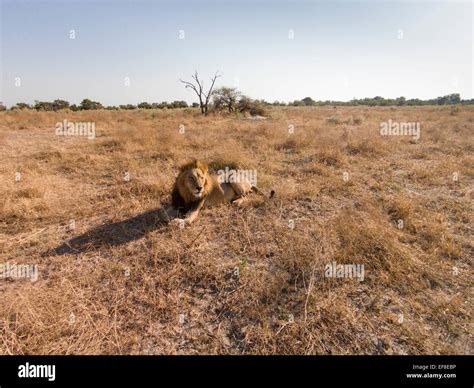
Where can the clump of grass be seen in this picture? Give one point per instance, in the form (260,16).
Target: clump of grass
(333,120)
(364,147)
(400,211)
(330,157)
(31,192)
(137,189)
(288,145)
(221,164)
(110,145)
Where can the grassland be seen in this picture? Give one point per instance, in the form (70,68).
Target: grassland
(114,280)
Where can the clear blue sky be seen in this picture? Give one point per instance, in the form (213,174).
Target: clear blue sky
(340,49)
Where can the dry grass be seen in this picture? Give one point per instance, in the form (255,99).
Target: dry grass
(128,284)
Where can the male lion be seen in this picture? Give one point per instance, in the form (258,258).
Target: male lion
(195,188)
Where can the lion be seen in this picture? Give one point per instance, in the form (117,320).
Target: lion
(195,188)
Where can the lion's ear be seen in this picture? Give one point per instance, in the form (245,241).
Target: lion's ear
(202,166)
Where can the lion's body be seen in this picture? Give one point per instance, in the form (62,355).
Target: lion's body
(195,188)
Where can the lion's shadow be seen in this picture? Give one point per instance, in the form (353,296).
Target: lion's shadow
(114,234)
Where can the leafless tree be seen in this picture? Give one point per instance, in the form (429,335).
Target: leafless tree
(198,86)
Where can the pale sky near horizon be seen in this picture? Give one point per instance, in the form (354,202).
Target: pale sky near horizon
(276,50)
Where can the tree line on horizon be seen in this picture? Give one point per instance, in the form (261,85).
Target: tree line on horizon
(450,99)
(231,100)
(88,104)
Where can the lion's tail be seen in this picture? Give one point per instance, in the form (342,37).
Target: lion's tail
(255,189)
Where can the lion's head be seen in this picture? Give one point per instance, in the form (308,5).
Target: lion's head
(193,182)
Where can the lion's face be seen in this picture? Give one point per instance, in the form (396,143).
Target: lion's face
(195,182)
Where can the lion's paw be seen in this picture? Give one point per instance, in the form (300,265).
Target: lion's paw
(178,223)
